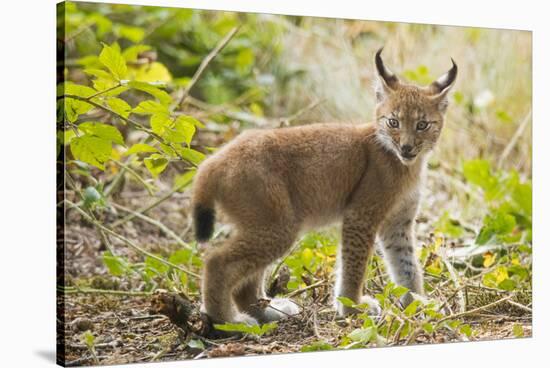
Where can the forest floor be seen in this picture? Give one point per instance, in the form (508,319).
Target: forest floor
(126,328)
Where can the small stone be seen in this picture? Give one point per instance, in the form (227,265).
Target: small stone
(82,324)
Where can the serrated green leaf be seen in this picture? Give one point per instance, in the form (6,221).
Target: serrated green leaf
(428,327)
(119,106)
(192,155)
(92,150)
(363,335)
(112,59)
(399,291)
(347,302)
(156,164)
(99,73)
(103,131)
(163,97)
(149,107)
(412,308)
(190,120)
(153,264)
(159,122)
(139,148)
(74,108)
(117,266)
(184,129)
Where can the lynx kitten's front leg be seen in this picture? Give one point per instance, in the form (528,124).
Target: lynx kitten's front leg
(397,237)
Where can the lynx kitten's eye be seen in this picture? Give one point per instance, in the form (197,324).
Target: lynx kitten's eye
(422,125)
(393,123)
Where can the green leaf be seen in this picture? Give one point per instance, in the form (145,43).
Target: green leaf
(153,264)
(498,223)
(99,73)
(466,330)
(449,226)
(104,131)
(73,108)
(185,256)
(139,148)
(185,129)
(92,150)
(190,120)
(428,327)
(478,172)
(117,266)
(412,308)
(317,346)
(248,329)
(518,330)
(399,291)
(134,34)
(183,180)
(363,335)
(156,164)
(132,52)
(192,156)
(163,97)
(88,338)
(196,344)
(523,196)
(507,284)
(112,59)
(119,106)
(149,107)
(159,122)
(347,302)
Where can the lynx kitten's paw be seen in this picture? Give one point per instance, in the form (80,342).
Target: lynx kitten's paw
(280,308)
(244,318)
(374,307)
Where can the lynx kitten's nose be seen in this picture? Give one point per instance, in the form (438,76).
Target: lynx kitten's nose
(406,148)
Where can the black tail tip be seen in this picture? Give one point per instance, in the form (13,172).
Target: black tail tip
(204,223)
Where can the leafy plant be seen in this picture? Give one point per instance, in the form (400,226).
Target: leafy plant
(255,330)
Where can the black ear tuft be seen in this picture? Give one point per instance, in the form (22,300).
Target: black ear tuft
(443,83)
(388,78)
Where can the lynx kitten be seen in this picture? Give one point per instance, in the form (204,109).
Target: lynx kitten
(274,184)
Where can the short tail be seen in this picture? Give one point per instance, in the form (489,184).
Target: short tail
(203,218)
(204,215)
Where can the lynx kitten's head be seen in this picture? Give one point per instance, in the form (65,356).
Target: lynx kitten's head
(410,118)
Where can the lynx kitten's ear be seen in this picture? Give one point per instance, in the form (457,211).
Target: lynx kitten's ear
(387,81)
(442,85)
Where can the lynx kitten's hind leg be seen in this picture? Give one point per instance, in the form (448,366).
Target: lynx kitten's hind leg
(397,237)
(229,291)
